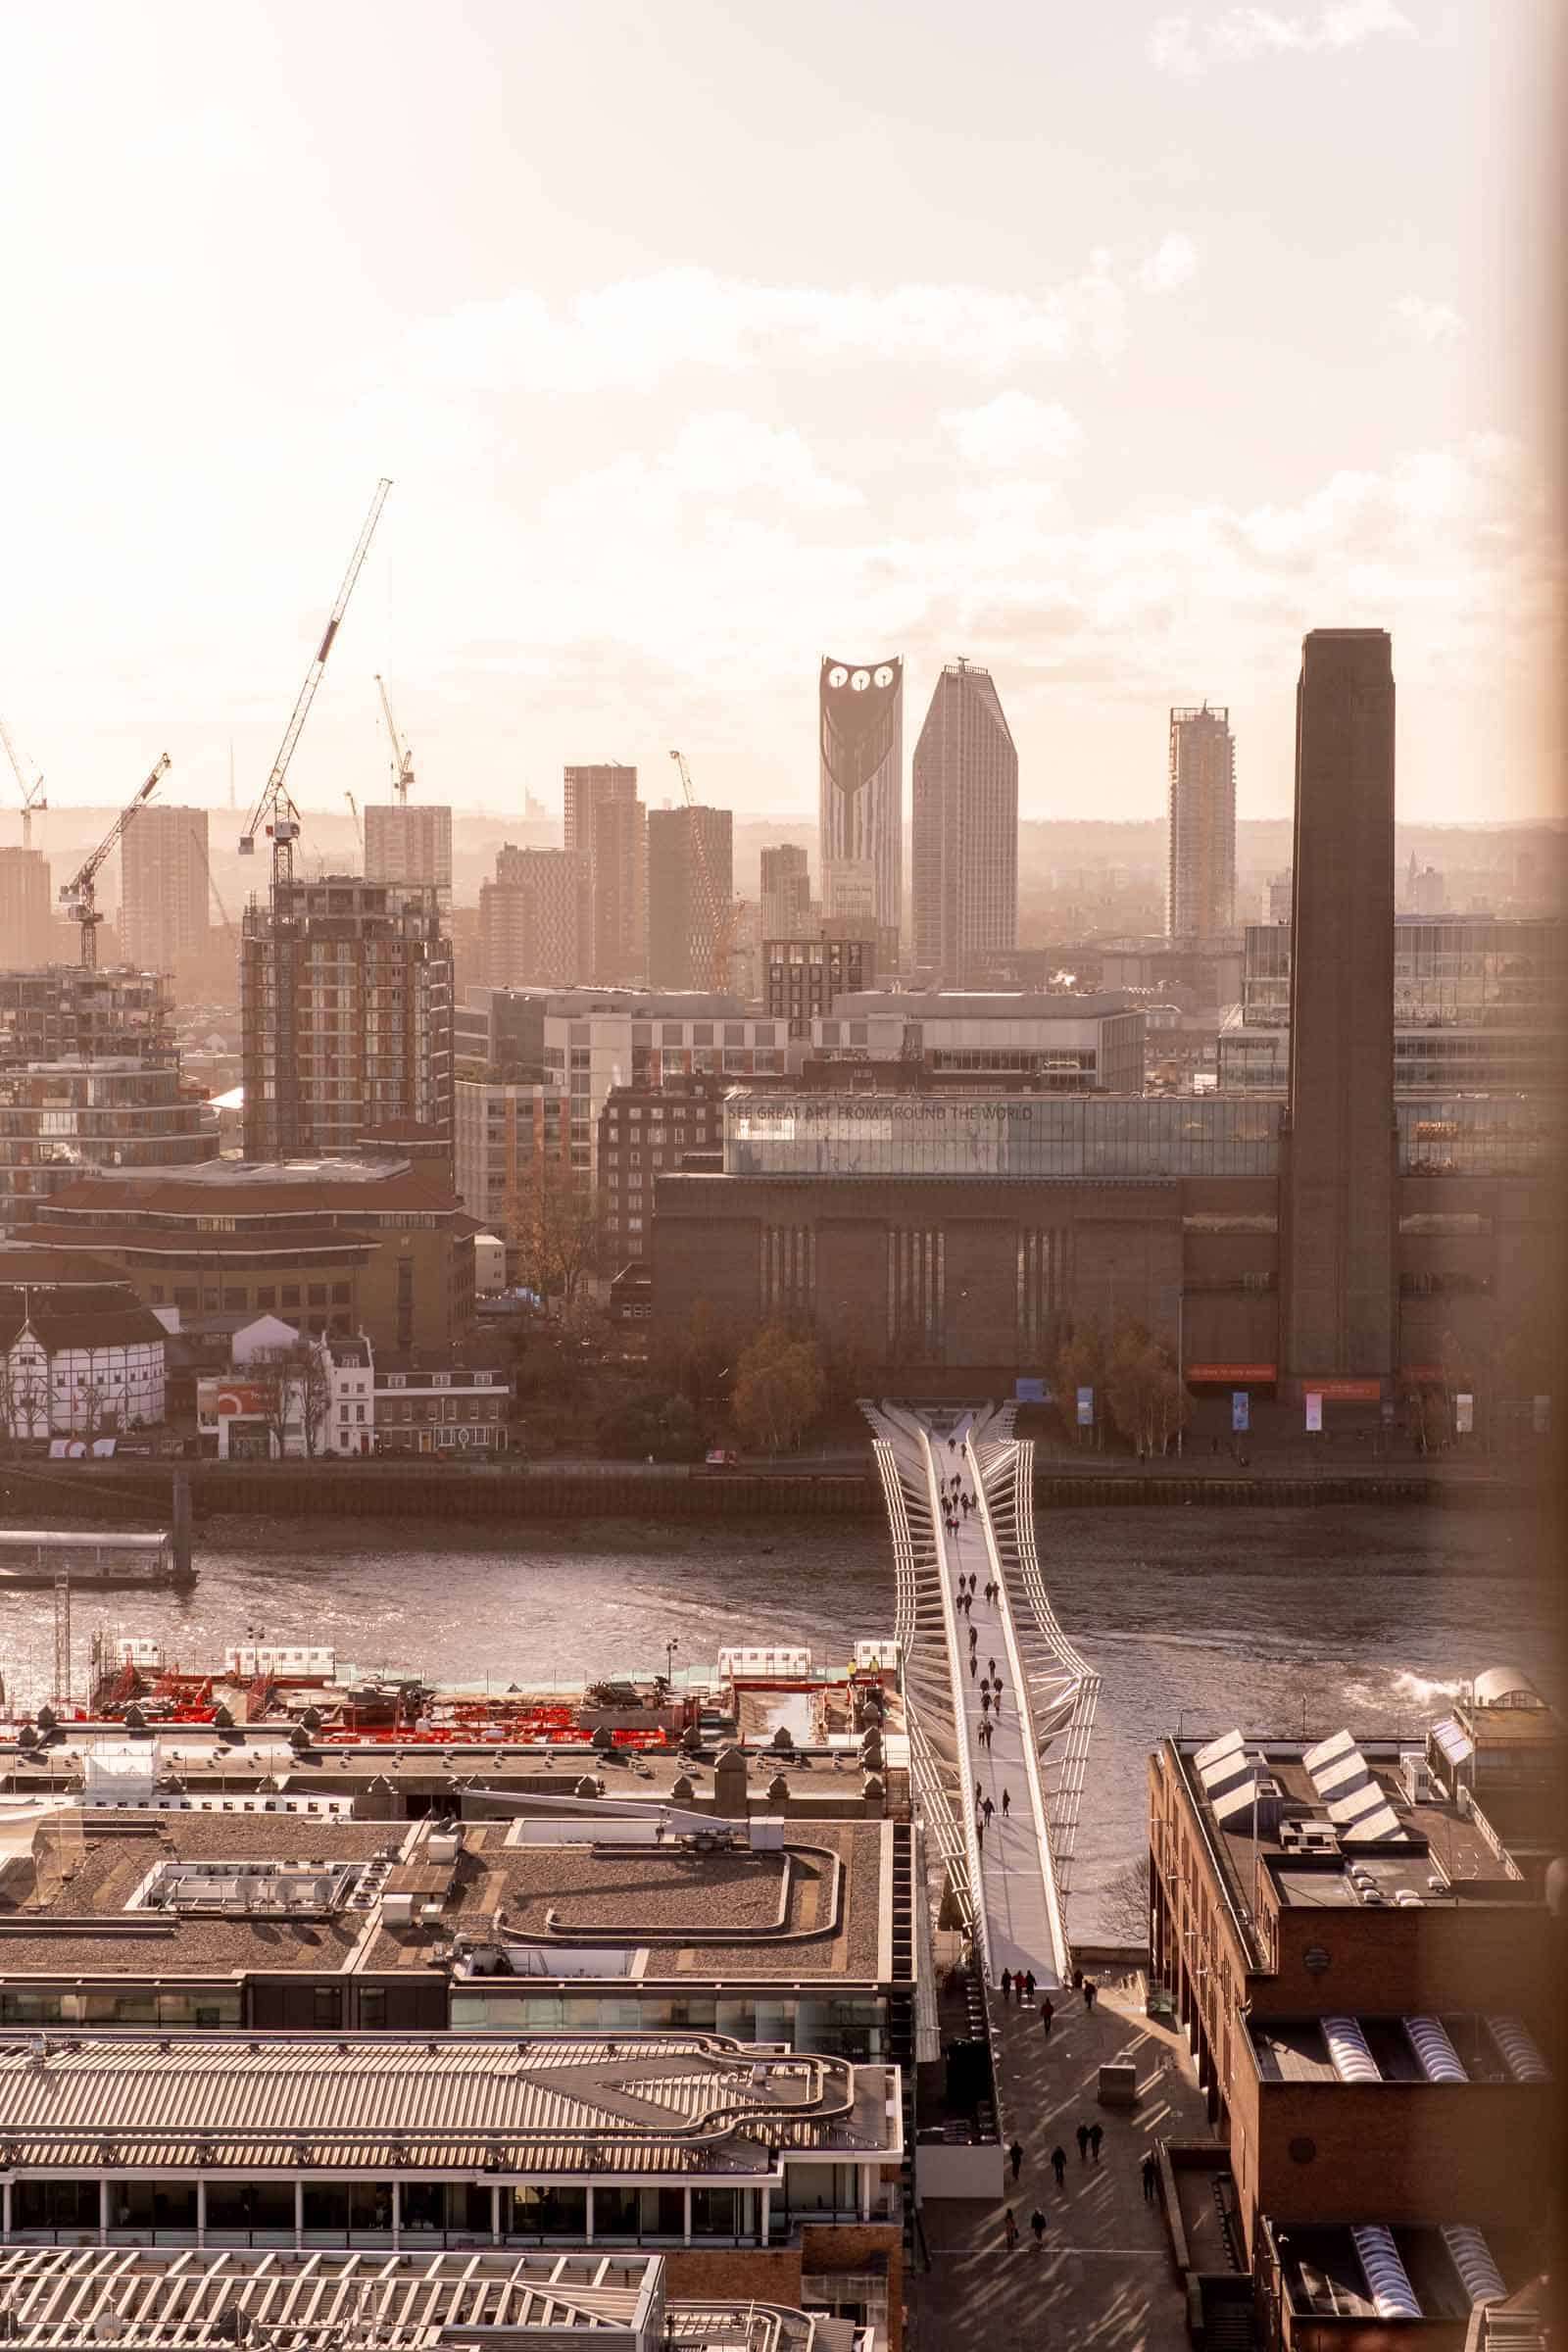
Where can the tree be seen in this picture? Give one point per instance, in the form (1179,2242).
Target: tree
(552,1220)
(1081,1364)
(295,1384)
(779,1388)
(700,1360)
(1124,1904)
(1147,1400)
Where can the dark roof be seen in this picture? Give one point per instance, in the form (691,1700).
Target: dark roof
(244,1189)
(57,1264)
(108,1316)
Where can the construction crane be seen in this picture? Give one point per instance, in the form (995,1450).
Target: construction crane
(274,806)
(401,757)
(31,794)
(354,812)
(78,895)
(722,913)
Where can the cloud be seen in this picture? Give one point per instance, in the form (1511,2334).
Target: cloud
(641,331)
(1172,265)
(1433,323)
(1013,432)
(1178,42)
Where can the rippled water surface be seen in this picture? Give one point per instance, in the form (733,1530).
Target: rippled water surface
(1267,1618)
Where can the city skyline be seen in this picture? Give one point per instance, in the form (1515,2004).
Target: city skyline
(652,458)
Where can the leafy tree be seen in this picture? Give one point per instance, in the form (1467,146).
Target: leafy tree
(779,1388)
(1146,1398)
(1081,1364)
(552,1221)
(700,1362)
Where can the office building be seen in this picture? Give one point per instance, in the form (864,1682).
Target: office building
(691,887)
(346,1015)
(504,1127)
(802,979)
(335,1246)
(68,1011)
(1277,891)
(860,810)
(1336,1206)
(966,830)
(26,909)
(1355,1938)
(164,887)
(1480,1006)
(1064,1045)
(1200,885)
(786,884)
(535,919)
(643,1131)
(411,842)
(587,789)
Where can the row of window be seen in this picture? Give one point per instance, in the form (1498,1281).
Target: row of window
(231,1298)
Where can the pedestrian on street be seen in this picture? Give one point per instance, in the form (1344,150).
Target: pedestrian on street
(1097,2133)
(1151,2176)
(1058,2164)
(1047,2010)
(1037,2222)
(1089,1992)
(1006,1808)
(1082,2136)
(1015,2157)
(1009,2231)
(1007,1984)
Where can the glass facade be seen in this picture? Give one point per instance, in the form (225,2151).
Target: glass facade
(1028,1138)
(1478,1135)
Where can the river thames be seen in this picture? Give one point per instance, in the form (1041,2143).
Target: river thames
(1367,1615)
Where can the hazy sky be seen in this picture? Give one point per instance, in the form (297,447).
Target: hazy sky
(1111,346)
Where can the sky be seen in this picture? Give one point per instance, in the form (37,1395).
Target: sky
(1110,347)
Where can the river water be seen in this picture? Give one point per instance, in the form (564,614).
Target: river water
(1367,1615)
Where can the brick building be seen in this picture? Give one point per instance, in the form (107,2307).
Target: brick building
(1355,1938)
(804,978)
(643,1131)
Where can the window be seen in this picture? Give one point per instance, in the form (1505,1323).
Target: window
(326,2008)
(372,2008)
(291,1293)
(233,1299)
(266,1295)
(340,1294)
(318,1294)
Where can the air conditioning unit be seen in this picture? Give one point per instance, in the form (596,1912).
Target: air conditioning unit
(1415,1776)
(397,1910)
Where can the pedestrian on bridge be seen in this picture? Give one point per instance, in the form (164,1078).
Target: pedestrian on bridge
(1006,1808)
(1150,2170)
(972,1665)
(1082,2136)
(1046,2012)
(1097,2133)
(1058,2164)
(1009,2231)
(985,1695)
(987,1808)
(1007,1985)
(1037,2222)
(991,1668)
(1015,2157)
(1029,1982)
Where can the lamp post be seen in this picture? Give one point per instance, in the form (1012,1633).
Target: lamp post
(670,1648)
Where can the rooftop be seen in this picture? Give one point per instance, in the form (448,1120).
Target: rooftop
(635,2104)
(140,2297)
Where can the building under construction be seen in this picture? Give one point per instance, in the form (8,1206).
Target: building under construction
(346,1015)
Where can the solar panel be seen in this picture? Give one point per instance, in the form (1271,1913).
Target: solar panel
(1341,1744)
(1233,1802)
(1217,1752)
(1357,1805)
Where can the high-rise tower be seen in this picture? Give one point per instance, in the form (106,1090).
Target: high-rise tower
(860,732)
(1200,887)
(1338,1205)
(607,825)
(689,895)
(966,828)
(164,887)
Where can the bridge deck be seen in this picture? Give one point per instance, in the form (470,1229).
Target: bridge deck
(1008,1877)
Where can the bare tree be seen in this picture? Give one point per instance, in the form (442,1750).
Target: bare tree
(1124,1903)
(295,1387)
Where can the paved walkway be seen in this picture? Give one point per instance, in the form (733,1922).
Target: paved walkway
(1014,1857)
(1104,2280)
